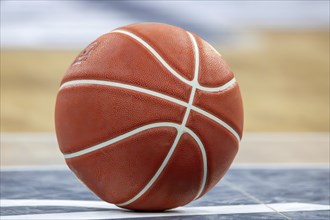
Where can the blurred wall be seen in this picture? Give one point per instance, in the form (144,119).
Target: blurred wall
(279,52)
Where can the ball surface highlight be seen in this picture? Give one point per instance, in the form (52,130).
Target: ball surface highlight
(149,117)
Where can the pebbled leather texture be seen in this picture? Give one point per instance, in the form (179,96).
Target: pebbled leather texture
(87,115)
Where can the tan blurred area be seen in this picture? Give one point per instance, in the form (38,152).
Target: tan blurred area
(284,80)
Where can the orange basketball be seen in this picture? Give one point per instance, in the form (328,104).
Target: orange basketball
(149,117)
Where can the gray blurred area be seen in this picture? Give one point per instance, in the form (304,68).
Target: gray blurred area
(73,24)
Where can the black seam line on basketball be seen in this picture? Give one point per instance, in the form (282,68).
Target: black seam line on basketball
(159,95)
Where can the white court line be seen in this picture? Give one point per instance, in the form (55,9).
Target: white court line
(50,202)
(116,213)
(252,197)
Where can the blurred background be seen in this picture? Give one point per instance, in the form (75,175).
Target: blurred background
(278,50)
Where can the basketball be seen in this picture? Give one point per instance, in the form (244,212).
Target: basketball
(149,117)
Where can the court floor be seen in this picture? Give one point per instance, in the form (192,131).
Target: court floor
(246,192)
(42,187)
